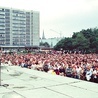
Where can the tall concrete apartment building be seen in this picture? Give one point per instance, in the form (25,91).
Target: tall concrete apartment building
(19,27)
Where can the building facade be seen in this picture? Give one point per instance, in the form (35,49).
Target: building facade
(51,41)
(19,27)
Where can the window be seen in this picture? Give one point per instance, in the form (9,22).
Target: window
(7,25)
(7,29)
(7,18)
(7,21)
(7,10)
(2,15)
(3,10)
(7,14)
(7,33)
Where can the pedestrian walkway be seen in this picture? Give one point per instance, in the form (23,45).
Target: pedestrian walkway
(28,83)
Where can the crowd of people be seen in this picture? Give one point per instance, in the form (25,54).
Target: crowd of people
(73,65)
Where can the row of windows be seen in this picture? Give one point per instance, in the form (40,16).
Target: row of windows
(18,30)
(17,37)
(19,15)
(4,25)
(7,25)
(7,36)
(28,17)
(17,11)
(7,14)
(7,10)
(7,32)
(3,22)
(4,10)
(4,30)
(2,35)
(15,40)
(27,24)
(7,17)
(6,21)
(3,39)
(14,44)
(27,30)
(2,18)
(2,14)
(7,29)
(20,12)
(16,24)
(27,13)
(23,27)
(19,20)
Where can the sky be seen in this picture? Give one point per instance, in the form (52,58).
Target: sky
(60,18)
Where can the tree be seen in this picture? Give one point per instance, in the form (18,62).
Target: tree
(94,45)
(65,44)
(85,40)
(44,44)
(80,42)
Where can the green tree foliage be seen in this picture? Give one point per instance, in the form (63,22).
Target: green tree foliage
(44,44)
(85,40)
(65,44)
(80,42)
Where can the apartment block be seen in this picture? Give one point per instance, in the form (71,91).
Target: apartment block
(19,27)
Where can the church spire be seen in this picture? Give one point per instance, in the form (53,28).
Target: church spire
(43,36)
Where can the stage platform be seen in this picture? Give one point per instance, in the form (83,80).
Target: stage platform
(29,83)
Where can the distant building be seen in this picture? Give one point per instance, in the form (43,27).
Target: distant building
(51,41)
(19,27)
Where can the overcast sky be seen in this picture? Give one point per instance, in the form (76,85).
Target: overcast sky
(60,16)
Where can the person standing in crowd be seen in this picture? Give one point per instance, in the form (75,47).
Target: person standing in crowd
(68,70)
(95,75)
(89,73)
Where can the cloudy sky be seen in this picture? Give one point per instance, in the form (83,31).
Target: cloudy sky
(60,17)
